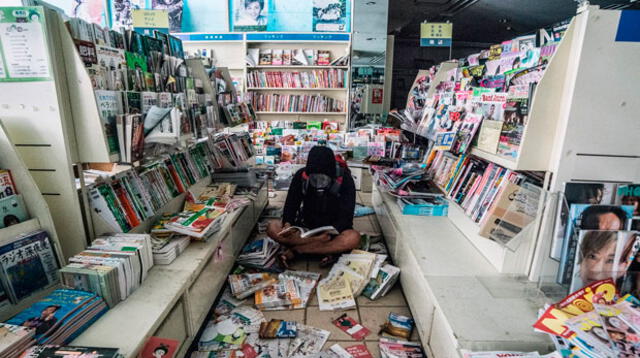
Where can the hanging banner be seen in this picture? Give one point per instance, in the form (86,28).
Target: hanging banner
(23,46)
(146,21)
(436,34)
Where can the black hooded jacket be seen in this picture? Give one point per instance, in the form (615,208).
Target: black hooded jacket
(311,212)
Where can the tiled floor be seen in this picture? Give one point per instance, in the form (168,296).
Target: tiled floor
(370,314)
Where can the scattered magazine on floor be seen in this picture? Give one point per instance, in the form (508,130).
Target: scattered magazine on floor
(351,327)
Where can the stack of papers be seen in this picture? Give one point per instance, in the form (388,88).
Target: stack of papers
(14,339)
(393,348)
(260,254)
(113,266)
(70,312)
(166,249)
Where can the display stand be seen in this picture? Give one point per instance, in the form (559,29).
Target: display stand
(230,51)
(595,103)
(174,300)
(40,217)
(37,116)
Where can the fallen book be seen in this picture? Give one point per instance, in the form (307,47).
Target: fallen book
(379,286)
(243,285)
(51,351)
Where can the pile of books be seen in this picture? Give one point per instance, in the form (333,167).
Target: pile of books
(130,197)
(168,248)
(54,351)
(292,57)
(113,266)
(15,339)
(274,102)
(12,208)
(356,273)
(594,321)
(334,78)
(260,254)
(501,354)
(200,224)
(61,316)
(28,264)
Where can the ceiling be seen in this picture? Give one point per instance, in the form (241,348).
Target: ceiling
(486,21)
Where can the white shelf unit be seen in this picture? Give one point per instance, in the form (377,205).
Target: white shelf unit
(460,300)
(174,300)
(40,217)
(595,101)
(230,50)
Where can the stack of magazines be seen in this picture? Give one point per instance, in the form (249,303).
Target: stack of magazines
(166,249)
(61,316)
(199,224)
(354,274)
(52,351)
(15,339)
(261,254)
(113,266)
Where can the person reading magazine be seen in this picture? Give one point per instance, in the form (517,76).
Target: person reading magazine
(321,194)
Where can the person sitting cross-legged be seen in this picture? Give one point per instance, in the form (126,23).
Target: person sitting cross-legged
(321,194)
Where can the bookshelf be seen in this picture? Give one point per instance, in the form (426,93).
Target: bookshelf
(35,205)
(230,51)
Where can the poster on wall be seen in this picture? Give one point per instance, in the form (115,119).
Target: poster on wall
(329,15)
(23,51)
(92,11)
(121,12)
(175,10)
(248,15)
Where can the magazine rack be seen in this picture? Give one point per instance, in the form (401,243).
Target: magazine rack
(230,50)
(37,208)
(593,62)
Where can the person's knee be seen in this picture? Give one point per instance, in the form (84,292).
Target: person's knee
(274,227)
(352,239)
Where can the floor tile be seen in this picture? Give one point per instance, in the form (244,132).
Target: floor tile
(394,298)
(323,320)
(314,266)
(298,265)
(289,315)
(374,317)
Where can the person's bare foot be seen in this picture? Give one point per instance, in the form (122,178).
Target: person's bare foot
(287,256)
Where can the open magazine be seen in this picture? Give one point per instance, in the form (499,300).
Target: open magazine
(305,233)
